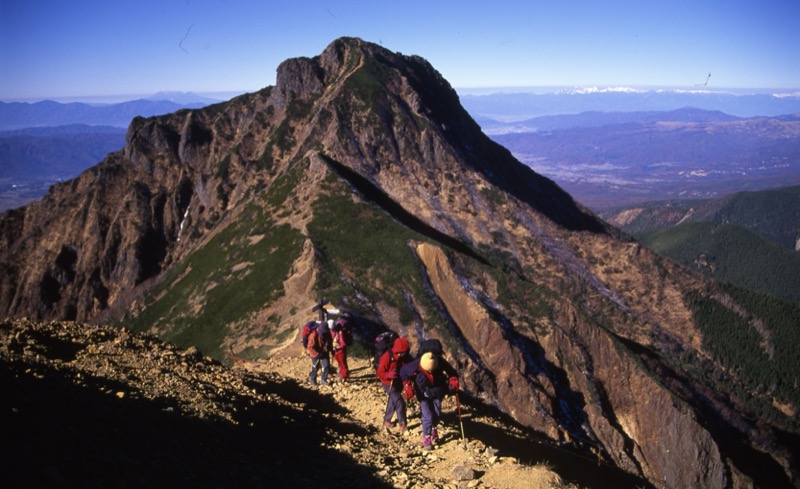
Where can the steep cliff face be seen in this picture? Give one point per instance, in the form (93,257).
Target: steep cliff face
(360,178)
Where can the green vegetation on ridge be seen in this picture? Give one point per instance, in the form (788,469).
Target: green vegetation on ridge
(233,276)
(360,240)
(732,254)
(772,214)
(762,359)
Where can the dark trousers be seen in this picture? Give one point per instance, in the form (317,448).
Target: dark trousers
(431,410)
(321,359)
(395,404)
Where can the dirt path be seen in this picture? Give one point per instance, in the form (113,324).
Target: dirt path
(400,459)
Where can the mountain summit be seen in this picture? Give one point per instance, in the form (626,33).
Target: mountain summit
(360,178)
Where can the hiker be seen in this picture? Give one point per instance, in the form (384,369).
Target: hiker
(319,347)
(389,373)
(434,379)
(341,339)
(383,343)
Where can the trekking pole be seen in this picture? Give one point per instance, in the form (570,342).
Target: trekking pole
(460,422)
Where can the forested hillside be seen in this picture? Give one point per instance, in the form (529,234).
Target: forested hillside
(730,253)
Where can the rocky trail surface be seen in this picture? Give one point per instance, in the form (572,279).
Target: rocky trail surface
(102,407)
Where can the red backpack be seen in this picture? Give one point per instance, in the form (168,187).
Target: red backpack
(307,329)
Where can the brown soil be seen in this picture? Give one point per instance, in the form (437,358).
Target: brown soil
(454,461)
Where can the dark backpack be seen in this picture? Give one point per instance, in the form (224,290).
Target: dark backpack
(431,345)
(409,372)
(307,329)
(383,343)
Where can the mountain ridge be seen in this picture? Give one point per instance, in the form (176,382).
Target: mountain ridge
(755,211)
(749,239)
(217,227)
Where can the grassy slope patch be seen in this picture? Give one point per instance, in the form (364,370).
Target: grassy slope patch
(371,247)
(239,271)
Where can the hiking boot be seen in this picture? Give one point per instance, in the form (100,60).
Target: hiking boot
(312,382)
(324,382)
(403,427)
(388,425)
(426,443)
(434,435)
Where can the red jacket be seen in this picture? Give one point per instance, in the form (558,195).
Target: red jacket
(318,343)
(389,367)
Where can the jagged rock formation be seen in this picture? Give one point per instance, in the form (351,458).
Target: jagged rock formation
(360,178)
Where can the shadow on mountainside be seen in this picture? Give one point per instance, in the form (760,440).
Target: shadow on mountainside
(530,448)
(374,194)
(59,434)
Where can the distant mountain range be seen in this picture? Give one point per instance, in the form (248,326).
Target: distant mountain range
(61,150)
(600,119)
(605,157)
(511,107)
(182,98)
(46,142)
(19,115)
(32,159)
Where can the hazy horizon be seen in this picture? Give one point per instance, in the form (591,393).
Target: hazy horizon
(472,91)
(68,51)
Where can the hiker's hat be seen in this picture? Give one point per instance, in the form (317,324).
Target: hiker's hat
(400,345)
(428,362)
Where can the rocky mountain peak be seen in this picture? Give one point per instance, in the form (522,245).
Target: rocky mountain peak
(360,178)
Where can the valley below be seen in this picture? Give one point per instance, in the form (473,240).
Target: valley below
(627,164)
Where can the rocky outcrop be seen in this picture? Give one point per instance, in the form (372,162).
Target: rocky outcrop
(620,437)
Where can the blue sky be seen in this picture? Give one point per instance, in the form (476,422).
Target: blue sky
(70,49)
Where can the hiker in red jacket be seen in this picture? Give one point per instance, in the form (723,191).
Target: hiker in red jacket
(319,347)
(389,373)
(341,339)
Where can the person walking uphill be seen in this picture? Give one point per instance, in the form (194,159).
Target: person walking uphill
(319,347)
(389,373)
(434,380)
(341,339)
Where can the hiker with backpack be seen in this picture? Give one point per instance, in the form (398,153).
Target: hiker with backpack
(319,345)
(388,371)
(342,337)
(383,343)
(429,378)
